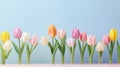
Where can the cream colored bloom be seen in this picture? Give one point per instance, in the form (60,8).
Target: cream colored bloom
(7,45)
(100,47)
(44,40)
(25,37)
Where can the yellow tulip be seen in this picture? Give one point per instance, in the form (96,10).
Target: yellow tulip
(113,34)
(52,31)
(5,36)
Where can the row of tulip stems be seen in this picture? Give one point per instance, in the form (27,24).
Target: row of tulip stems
(60,42)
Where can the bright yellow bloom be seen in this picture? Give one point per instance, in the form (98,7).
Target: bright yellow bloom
(52,31)
(5,36)
(113,34)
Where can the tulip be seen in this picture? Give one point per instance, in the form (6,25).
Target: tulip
(91,40)
(113,34)
(5,36)
(25,37)
(7,45)
(100,48)
(34,40)
(17,33)
(75,33)
(20,36)
(83,38)
(71,44)
(44,40)
(61,34)
(30,49)
(52,31)
(106,39)
(113,37)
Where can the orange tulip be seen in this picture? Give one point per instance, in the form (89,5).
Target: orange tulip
(52,31)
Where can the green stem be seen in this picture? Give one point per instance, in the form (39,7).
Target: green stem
(82,59)
(19,59)
(53,58)
(110,59)
(53,42)
(72,58)
(62,55)
(28,59)
(19,56)
(90,59)
(100,57)
(3,59)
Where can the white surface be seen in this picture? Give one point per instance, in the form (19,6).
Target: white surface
(60,65)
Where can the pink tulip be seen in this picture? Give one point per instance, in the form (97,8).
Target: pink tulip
(61,33)
(83,36)
(34,40)
(75,33)
(91,40)
(17,33)
(71,42)
(106,39)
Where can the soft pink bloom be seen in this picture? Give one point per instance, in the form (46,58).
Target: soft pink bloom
(61,33)
(91,40)
(71,42)
(17,33)
(106,39)
(83,36)
(34,40)
(75,33)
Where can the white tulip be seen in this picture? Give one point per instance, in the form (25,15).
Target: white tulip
(7,45)
(100,46)
(44,40)
(25,37)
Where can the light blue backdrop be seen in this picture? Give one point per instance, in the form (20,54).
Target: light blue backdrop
(34,16)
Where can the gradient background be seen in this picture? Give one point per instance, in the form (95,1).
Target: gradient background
(33,16)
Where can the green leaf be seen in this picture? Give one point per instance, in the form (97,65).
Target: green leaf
(27,49)
(79,44)
(55,48)
(33,49)
(15,47)
(89,49)
(22,48)
(57,42)
(63,42)
(50,46)
(8,53)
(84,47)
(118,50)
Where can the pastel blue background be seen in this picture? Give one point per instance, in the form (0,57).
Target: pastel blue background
(34,16)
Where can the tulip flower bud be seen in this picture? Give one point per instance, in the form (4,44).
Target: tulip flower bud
(91,40)
(34,40)
(17,33)
(100,47)
(83,36)
(71,42)
(106,39)
(44,40)
(61,34)
(75,33)
(113,34)
(5,36)
(52,31)
(25,37)
(7,45)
